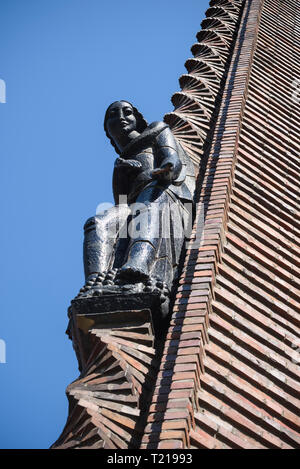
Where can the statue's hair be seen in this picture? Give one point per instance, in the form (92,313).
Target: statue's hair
(141,123)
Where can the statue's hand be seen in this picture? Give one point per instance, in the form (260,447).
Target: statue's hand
(165,173)
(121,163)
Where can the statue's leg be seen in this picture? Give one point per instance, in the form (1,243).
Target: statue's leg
(156,240)
(173,219)
(100,236)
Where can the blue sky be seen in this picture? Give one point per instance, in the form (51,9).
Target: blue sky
(64,62)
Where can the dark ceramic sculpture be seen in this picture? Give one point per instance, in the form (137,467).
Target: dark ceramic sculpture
(133,249)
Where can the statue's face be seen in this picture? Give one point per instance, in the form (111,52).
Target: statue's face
(120,119)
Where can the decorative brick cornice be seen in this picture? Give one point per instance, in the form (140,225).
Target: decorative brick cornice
(195,104)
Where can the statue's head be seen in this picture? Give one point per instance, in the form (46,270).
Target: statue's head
(122,118)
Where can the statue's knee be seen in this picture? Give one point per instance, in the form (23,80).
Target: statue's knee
(101,222)
(90,224)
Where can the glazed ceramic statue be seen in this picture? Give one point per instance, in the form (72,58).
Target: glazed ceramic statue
(136,245)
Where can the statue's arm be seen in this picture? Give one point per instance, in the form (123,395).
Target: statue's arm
(120,184)
(134,165)
(168,162)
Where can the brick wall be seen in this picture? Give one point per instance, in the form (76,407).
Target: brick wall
(229,376)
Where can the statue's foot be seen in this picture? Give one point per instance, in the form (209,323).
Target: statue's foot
(160,289)
(119,288)
(140,259)
(156,286)
(132,288)
(93,283)
(128,280)
(135,274)
(109,277)
(87,286)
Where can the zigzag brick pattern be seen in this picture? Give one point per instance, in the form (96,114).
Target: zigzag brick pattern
(231,360)
(106,401)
